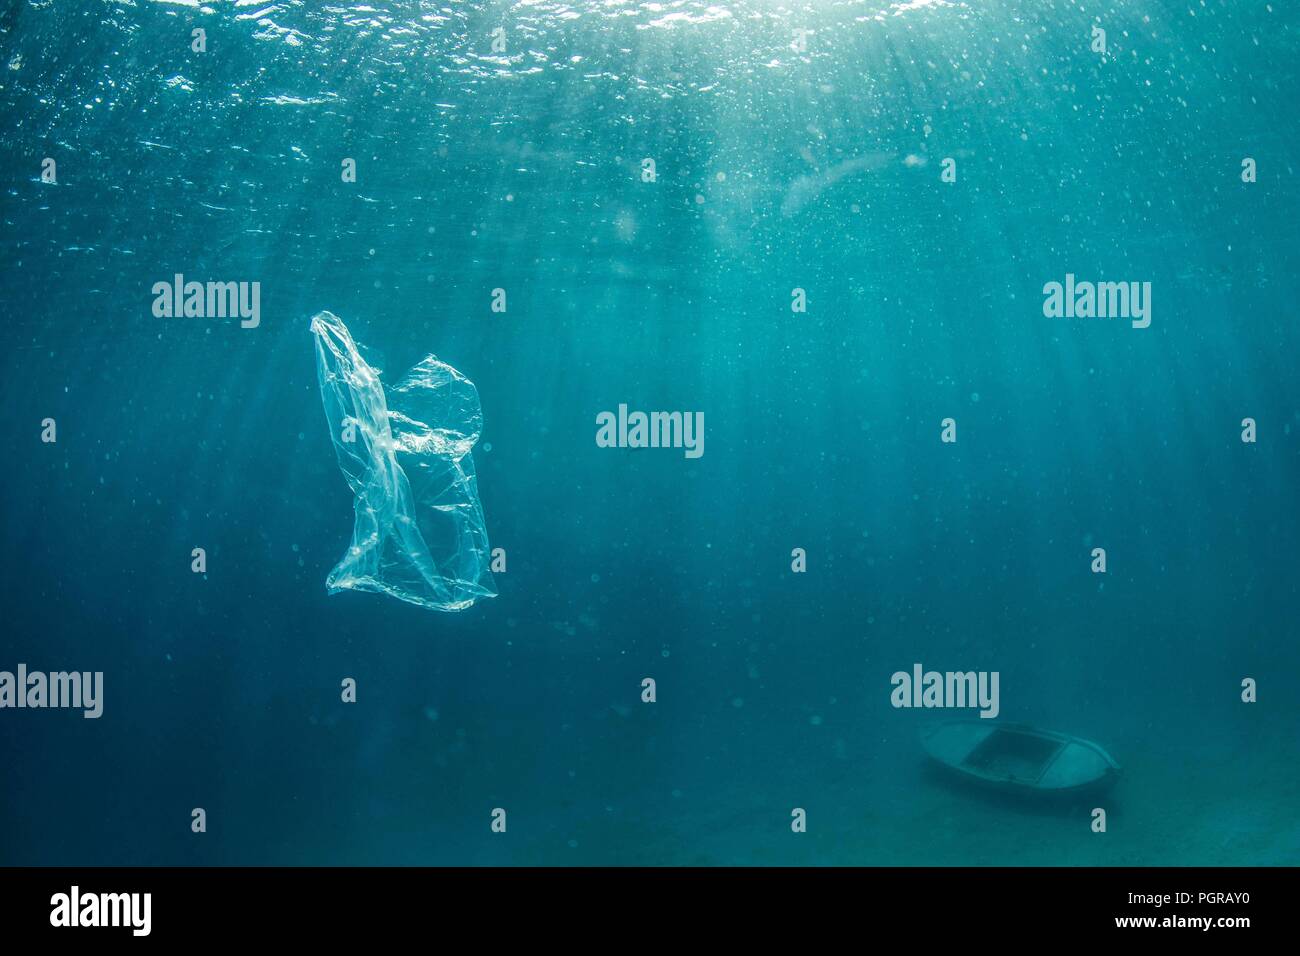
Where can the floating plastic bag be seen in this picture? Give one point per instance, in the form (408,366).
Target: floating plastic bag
(419,532)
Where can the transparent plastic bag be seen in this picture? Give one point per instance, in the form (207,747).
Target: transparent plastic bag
(419,533)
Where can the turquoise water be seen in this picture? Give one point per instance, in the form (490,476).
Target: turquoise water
(775,169)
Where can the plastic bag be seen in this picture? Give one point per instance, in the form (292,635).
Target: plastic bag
(419,533)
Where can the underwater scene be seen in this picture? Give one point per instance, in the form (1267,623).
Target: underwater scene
(675,433)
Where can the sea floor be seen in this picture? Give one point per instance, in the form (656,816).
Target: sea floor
(1171,808)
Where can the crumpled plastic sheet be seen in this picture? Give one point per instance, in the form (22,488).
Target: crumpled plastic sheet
(419,533)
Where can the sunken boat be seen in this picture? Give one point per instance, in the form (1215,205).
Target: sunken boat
(1020,757)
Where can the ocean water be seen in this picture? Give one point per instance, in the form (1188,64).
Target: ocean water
(795,146)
